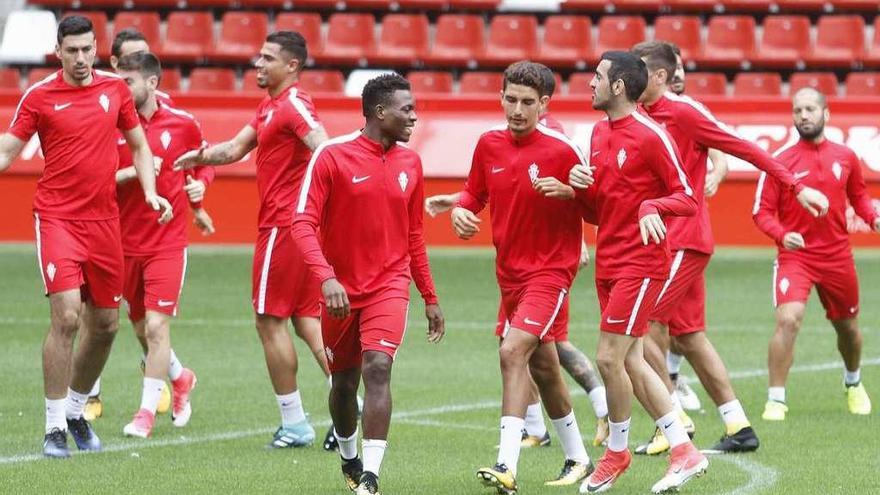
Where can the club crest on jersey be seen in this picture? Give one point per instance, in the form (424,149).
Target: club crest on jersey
(269,115)
(621,157)
(165,139)
(50,271)
(533,171)
(784,285)
(836,169)
(403,180)
(104,102)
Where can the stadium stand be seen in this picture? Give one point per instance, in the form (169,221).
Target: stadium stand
(211,79)
(757,84)
(706,84)
(825,82)
(148,23)
(424,82)
(567,41)
(241,36)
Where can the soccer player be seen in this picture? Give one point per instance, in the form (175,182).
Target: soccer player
(538,243)
(284,131)
(639,180)
(155,256)
(814,251)
(364,191)
(76,112)
(681,304)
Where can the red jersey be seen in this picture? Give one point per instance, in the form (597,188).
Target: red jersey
(366,202)
(831,168)
(638,172)
(77,127)
(537,239)
(281,124)
(170,133)
(547,120)
(695,130)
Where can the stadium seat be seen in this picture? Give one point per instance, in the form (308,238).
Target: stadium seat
(241,36)
(863,84)
(10,79)
(322,81)
(211,79)
(39,73)
(189,37)
(28,36)
(170,80)
(840,41)
(785,42)
(480,83)
(148,23)
(617,32)
(489,5)
(579,83)
(641,6)
(404,40)
(422,4)
(567,41)
(430,82)
(682,30)
(730,42)
(826,82)
(458,41)
(872,58)
(511,38)
(706,84)
(99,23)
(249,81)
(747,84)
(306,24)
(350,39)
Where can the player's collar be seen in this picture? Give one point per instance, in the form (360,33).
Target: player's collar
(811,145)
(622,122)
(373,146)
(657,105)
(525,140)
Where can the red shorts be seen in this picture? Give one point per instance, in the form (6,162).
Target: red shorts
(379,326)
(283,285)
(626,304)
(154,282)
(540,310)
(836,282)
(84,254)
(682,301)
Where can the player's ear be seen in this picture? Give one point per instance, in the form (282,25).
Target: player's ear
(153,82)
(379,112)
(544,100)
(58,51)
(827,115)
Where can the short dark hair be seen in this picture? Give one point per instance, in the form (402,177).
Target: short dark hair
(525,73)
(630,69)
(378,91)
(549,79)
(127,34)
(657,55)
(291,42)
(145,63)
(675,48)
(820,97)
(73,25)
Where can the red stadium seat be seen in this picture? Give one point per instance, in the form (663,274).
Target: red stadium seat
(481,83)
(826,82)
(423,4)
(306,24)
(458,41)
(189,37)
(147,23)
(241,36)
(617,32)
(706,84)
(682,30)
(249,81)
(579,83)
(322,81)
(863,84)
(170,80)
(39,73)
(474,4)
(10,78)
(786,41)
(840,41)
(757,84)
(641,6)
(730,42)
(511,38)
(99,23)
(404,40)
(211,79)
(350,39)
(430,82)
(567,41)
(872,59)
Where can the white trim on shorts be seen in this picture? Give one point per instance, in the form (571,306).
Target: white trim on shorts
(182,278)
(40,252)
(775,281)
(559,302)
(264,272)
(676,264)
(635,311)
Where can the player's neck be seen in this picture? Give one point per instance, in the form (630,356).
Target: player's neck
(73,82)
(655,96)
(277,90)
(148,109)
(374,133)
(816,141)
(620,111)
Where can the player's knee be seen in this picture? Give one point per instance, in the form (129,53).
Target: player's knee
(607,364)
(156,330)
(376,371)
(66,322)
(788,321)
(511,356)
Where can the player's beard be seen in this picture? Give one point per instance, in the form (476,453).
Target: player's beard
(811,134)
(677,85)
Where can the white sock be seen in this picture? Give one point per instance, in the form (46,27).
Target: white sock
(75,404)
(348,447)
(535,421)
(175,369)
(852,377)
(151,394)
(673,362)
(511,437)
(96,388)
(618,437)
(600,403)
(291,408)
(55,414)
(732,413)
(776,394)
(673,429)
(570,437)
(374,451)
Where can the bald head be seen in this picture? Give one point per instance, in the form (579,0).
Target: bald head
(809,108)
(810,95)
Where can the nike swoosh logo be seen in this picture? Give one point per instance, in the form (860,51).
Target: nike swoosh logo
(594,153)
(163,304)
(569,424)
(358,180)
(598,488)
(532,322)
(387,344)
(496,170)
(58,107)
(801,175)
(668,425)
(612,321)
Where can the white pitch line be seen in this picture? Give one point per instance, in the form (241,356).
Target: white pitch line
(760,476)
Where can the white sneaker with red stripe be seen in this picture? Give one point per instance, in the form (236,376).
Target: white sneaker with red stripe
(141,425)
(685,462)
(181,410)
